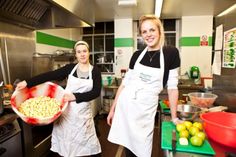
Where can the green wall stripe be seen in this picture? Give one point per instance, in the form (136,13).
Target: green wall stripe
(124,42)
(48,39)
(193,41)
(210,41)
(189,41)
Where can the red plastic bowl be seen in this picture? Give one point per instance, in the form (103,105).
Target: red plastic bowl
(49,89)
(220,127)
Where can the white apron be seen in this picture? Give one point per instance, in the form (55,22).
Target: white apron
(74,133)
(133,122)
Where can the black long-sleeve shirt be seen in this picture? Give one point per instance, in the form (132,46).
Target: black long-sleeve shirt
(62,73)
(171,59)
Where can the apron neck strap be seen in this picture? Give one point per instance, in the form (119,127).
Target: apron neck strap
(77,66)
(162,61)
(162,64)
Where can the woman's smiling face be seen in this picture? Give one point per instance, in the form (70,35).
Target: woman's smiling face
(82,54)
(150,34)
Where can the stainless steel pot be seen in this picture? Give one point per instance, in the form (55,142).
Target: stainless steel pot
(191,112)
(188,112)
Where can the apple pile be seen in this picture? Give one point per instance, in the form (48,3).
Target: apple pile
(192,132)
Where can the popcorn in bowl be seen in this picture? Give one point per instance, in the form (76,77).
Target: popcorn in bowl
(39,105)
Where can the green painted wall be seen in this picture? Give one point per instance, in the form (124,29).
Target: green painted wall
(193,41)
(47,39)
(124,42)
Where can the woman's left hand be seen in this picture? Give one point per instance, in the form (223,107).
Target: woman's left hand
(69,97)
(177,121)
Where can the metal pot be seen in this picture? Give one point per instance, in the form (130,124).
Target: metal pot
(191,112)
(188,112)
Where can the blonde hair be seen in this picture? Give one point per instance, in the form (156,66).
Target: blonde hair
(81,43)
(158,23)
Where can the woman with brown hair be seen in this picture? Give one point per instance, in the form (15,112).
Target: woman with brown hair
(74,132)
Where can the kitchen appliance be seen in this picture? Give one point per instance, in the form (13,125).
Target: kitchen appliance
(10,136)
(220,127)
(36,139)
(47,62)
(16,51)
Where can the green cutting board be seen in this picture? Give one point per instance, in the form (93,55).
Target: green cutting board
(164,107)
(166,141)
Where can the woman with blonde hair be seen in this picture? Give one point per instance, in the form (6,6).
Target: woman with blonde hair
(132,114)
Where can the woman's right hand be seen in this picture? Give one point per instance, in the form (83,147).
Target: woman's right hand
(110,115)
(21,85)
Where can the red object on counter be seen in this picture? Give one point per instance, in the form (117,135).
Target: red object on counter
(166,102)
(221,150)
(220,127)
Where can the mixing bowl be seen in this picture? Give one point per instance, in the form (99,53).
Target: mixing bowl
(204,100)
(188,112)
(48,89)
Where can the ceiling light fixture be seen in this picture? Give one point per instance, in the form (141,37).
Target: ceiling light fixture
(158,7)
(227,10)
(127,2)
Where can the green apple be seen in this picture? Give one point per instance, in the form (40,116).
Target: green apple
(193,130)
(188,124)
(202,135)
(196,141)
(180,127)
(184,133)
(198,125)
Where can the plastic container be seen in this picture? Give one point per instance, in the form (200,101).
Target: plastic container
(194,72)
(49,89)
(220,127)
(107,80)
(203,100)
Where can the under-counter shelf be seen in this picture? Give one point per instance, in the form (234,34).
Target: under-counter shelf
(107,97)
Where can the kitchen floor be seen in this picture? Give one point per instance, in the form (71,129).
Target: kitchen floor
(112,150)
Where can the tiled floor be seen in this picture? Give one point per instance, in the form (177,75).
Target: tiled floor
(112,150)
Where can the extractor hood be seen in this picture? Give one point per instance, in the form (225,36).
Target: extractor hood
(47,14)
